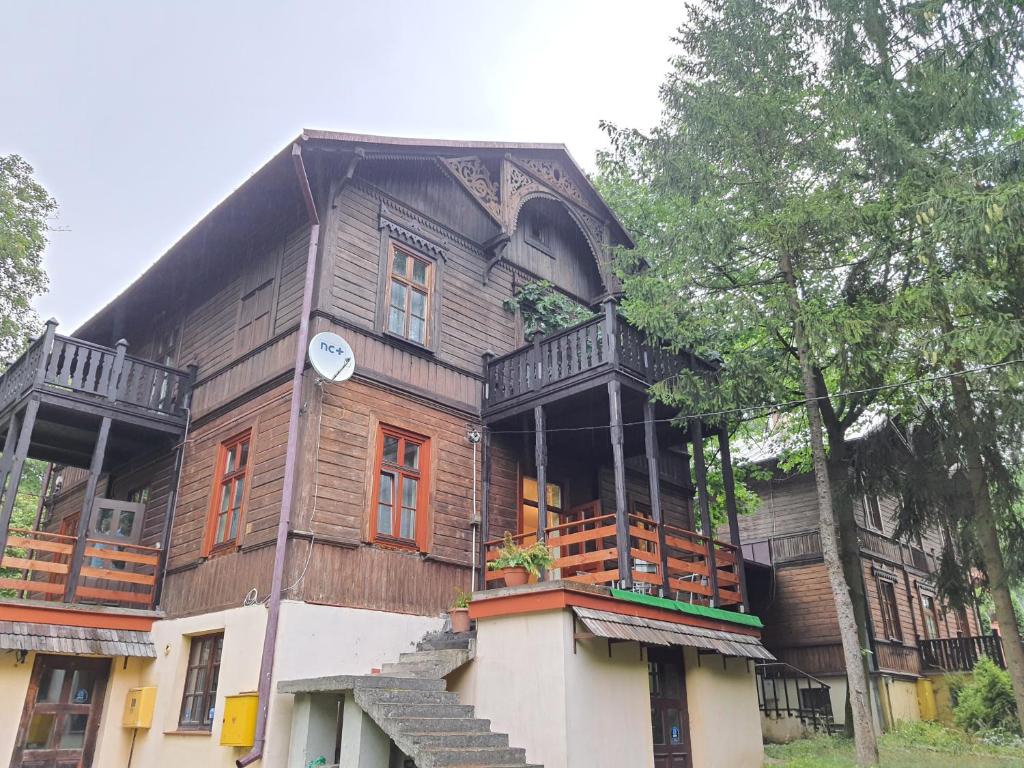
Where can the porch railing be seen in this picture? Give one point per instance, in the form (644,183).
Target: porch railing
(80,367)
(663,559)
(37,564)
(785,691)
(791,547)
(558,358)
(960,654)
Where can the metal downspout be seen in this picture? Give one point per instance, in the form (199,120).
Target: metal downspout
(284,523)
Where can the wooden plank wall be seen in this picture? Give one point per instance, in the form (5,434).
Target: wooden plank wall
(472,317)
(566,260)
(267,416)
(803,611)
(352,414)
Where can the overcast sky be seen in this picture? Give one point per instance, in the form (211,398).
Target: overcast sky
(139,117)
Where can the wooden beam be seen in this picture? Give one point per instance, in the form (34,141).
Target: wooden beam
(540,452)
(485,508)
(17,464)
(701,477)
(95,469)
(654,483)
(619,468)
(729,484)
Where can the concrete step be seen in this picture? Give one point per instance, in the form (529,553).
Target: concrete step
(460,740)
(416,726)
(446,641)
(471,756)
(408,669)
(398,683)
(439,656)
(399,696)
(401,711)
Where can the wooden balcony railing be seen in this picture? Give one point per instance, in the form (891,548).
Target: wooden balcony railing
(37,565)
(562,358)
(663,559)
(960,654)
(805,545)
(87,370)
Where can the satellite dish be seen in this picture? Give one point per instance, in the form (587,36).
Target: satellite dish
(332,357)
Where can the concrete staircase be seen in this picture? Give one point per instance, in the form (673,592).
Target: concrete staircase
(408,700)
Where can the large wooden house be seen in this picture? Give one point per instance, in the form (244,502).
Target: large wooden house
(231,550)
(914,639)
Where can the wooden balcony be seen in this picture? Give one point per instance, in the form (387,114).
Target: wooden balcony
(574,359)
(663,559)
(78,404)
(806,546)
(70,372)
(38,565)
(960,654)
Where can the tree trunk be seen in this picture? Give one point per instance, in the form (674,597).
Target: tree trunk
(988,537)
(839,471)
(857,683)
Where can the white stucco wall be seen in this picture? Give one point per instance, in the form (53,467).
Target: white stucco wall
(725,723)
(313,640)
(323,640)
(568,710)
(14,679)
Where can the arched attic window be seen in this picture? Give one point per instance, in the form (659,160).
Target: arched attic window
(549,244)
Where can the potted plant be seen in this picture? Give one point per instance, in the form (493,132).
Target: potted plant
(459,612)
(519,563)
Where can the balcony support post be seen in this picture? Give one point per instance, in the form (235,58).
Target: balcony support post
(95,469)
(729,485)
(13,464)
(700,471)
(485,507)
(540,454)
(619,467)
(654,480)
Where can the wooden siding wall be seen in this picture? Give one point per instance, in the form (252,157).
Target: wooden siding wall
(352,413)
(788,505)
(803,611)
(566,260)
(267,417)
(472,318)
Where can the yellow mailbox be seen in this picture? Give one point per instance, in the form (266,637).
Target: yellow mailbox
(138,707)
(238,727)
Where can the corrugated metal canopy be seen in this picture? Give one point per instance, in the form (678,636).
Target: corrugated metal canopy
(53,638)
(619,627)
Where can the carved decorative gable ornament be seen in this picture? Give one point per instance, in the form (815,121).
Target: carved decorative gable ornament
(523,178)
(475,177)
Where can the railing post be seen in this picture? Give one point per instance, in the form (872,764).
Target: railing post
(700,470)
(611,339)
(95,469)
(729,485)
(619,468)
(654,482)
(113,383)
(485,395)
(536,363)
(48,334)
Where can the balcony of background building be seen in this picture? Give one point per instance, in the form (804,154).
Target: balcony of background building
(75,403)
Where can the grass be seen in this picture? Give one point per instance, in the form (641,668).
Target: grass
(912,745)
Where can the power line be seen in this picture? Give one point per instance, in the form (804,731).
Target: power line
(776,406)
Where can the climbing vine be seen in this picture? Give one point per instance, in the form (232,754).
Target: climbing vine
(544,309)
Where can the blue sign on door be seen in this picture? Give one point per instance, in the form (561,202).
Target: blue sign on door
(675,735)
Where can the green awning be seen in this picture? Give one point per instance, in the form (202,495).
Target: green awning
(718,614)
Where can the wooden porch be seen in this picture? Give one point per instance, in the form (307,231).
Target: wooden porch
(663,559)
(74,403)
(581,394)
